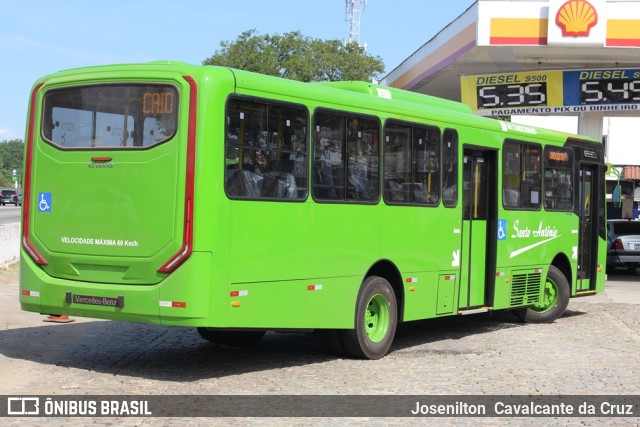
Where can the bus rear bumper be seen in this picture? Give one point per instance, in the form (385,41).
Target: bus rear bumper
(173,301)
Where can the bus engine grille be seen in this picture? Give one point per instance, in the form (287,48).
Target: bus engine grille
(525,288)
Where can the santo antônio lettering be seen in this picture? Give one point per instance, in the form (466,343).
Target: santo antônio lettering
(541,231)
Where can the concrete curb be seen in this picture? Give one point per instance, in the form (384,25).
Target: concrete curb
(9,243)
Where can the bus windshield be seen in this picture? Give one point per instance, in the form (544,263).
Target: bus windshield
(110,116)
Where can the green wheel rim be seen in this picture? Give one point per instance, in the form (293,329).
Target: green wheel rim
(376,318)
(549,297)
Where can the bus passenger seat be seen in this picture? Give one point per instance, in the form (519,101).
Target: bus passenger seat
(244,183)
(395,192)
(511,197)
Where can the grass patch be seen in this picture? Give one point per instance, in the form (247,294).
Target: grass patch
(10,273)
(12,267)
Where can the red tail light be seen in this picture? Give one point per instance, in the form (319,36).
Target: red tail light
(617,244)
(26,188)
(187,236)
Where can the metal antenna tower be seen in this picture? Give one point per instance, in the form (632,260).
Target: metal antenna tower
(354,9)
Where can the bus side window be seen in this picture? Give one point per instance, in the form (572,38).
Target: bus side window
(511,175)
(521,175)
(265,150)
(426,166)
(345,157)
(328,156)
(412,164)
(558,178)
(450,168)
(397,163)
(362,159)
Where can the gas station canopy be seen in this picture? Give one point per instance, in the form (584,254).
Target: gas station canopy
(533,57)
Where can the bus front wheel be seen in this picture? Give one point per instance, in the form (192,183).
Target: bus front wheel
(376,318)
(554,302)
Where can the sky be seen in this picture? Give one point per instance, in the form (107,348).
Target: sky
(39,37)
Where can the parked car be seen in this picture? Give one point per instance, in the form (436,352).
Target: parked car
(623,244)
(13,197)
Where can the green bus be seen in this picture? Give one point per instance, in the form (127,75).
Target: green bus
(238,203)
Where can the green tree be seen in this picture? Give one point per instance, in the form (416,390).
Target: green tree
(296,57)
(11,157)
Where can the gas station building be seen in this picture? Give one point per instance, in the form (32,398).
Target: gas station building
(569,65)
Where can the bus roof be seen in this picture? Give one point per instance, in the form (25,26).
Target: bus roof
(354,94)
(400,95)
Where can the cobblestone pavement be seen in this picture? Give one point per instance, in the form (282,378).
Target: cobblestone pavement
(592,350)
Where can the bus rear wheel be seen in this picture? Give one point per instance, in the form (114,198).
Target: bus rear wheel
(376,319)
(554,302)
(234,338)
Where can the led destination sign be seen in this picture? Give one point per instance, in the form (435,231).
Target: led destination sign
(158,103)
(548,92)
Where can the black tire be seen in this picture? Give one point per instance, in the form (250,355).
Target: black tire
(555,300)
(234,338)
(376,318)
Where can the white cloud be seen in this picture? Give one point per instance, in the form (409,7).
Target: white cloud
(25,44)
(21,43)
(7,134)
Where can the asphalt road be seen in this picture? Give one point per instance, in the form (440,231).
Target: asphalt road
(9,214)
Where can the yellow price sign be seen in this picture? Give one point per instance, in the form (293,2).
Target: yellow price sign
(513,93)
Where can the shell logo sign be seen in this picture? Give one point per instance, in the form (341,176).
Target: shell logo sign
(576,18)
(580,23)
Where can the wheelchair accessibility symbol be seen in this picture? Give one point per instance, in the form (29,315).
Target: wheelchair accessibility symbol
(44,202)
(502,229)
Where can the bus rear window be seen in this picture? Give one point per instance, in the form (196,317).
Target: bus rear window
(110,116)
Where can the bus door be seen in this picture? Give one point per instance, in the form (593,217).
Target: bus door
(478,253)
(588,214)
